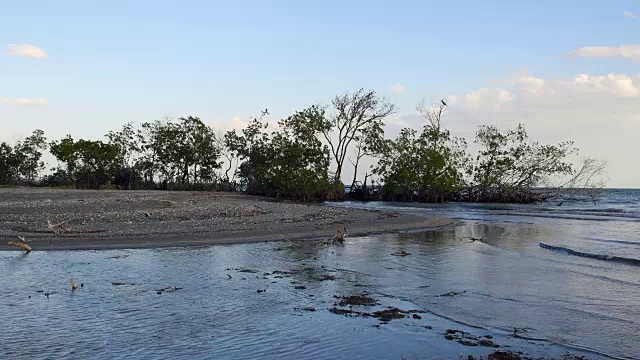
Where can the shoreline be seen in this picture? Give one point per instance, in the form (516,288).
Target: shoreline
(56,219)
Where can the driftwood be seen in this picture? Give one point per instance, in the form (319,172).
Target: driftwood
(472,239)
(338,238)
(58,228)
(23,244)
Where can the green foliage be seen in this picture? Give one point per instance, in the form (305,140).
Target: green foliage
(288,162)
(426,167)
(22,162)
(88,163)
(183,152)
(510,166)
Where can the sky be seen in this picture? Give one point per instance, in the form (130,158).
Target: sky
(567,70)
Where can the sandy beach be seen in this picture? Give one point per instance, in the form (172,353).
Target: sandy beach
(55,219)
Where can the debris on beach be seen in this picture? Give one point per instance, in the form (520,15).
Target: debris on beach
(355,300)
(251,210)
(120,256)
(311,309)
(504,355)
(401,253)
(452,293)
(168,289)
(338,238)
(384,315)
(246,270)
(466,339)
(472,239)
(23,244)
(58,228)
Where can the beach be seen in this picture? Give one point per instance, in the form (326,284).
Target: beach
(55,219)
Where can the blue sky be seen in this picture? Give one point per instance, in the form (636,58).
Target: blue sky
(117,61)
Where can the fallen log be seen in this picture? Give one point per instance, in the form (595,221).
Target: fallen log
(21,244)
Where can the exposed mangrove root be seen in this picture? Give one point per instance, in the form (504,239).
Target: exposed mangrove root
(23,244)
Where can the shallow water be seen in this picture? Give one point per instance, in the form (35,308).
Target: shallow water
(506,281)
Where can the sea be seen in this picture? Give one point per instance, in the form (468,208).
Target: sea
(545,280)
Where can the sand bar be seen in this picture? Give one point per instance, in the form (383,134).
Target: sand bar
(56,219)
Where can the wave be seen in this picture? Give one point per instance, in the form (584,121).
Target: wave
(614,241)
(618,259)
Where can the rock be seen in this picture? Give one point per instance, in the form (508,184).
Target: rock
(467,342)
(488,343)
(357,300)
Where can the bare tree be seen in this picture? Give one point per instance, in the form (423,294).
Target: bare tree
(584,184)
(356,113)
(433,114)
(366,144)
(230,157)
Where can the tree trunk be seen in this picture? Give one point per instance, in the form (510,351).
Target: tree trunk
(355,172)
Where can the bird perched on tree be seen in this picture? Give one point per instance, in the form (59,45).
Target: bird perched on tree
(444,103)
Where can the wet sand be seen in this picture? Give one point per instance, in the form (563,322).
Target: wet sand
(55,219)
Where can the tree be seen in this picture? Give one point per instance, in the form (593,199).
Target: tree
(23,161)
(88,163)
(356,115)
(426,166)
(510,166)
(290,161)
(183,152)
(8,164)
(128,143)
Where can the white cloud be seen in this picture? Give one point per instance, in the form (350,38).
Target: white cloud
(631,52)
(24,101)
(483,98)
(398,88)
(631,15)
(27,51)
(601,113)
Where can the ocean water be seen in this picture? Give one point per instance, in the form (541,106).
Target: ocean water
(569,274)
(578,292)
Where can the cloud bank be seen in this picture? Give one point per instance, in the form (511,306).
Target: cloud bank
(631,52)
(24,101)
(27,50)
